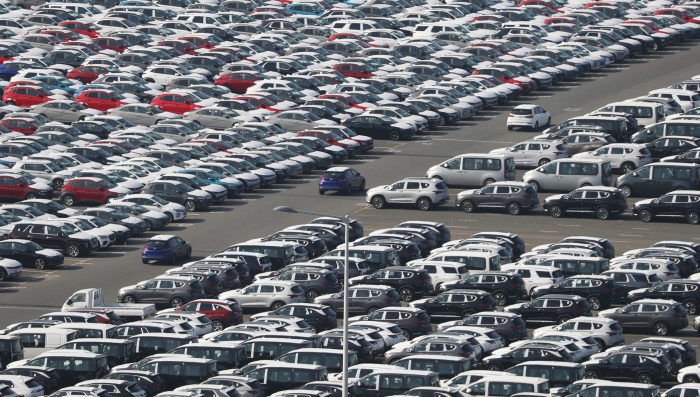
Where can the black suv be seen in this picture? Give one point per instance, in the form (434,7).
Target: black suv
(677,204)
(629,367)
(551,309)
(510,327)
(56,236)
(412,321)
(406,250)
(410,282)
(686,292)
(456,303)
(29,253)
(319,317)
(513,240)
(521,355)
(660,316)
(600,291)
(177,192)
(605,246)
(505,287)
(110,215)
(604,202)
(630,280)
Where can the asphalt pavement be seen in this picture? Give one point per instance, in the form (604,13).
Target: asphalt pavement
(40,291)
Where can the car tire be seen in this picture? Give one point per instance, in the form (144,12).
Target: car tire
(467,206)
(129,299)
(691,307)
(493,367)
(217,325)
(170,217)
(626,190)
(276,305)
(537,126)
(149,225)
(73,250)
(229,87)
(58,183)
(692,217)
(645,378)
(601,344)
(592,374)
(176,302)
(627,168)
(424,204)
(500,297)
(408,335)
(348,192)
(661,329)
(188,255)
(488,181)
(406,294)
(602,213)
(514,208)
(311,295)
(313,328)
(145,100)
(534,185)
(691,379)
(371,310)
(595,302)
(655,46)
(645,215)
(3,274)
(378,202)
(68,200)
(81,80)
(556,211)
(467,313)
(11,102)
(549,121)
(510,128)
(39,263)
(543,162)
(394,135)
(362,186)
(321,192)
(190,206)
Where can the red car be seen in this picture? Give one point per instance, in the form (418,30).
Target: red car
(324,136)
(197,42)
(7,55)
(104,316)
(86,74)
(239,81)
(506,76)
(354,69)
(183,46)
(260,103)
(346,99)
(539,3)
(17,187)
(112,43)
(23,126)
(80,28)
(680,13)
(176,103)
(87,44)
(100,100)
(365,39)
(221,313)
(63,35)
(26,96)
(88,189)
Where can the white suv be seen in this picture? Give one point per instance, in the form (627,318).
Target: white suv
(163,74)
(625,157)
(442,272)
(606,332)
(23,385)
(535,276)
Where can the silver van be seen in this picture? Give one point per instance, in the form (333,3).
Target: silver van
(475,169)
(646,113)
(681,127)
(570,174)
(475,262)
(36,341)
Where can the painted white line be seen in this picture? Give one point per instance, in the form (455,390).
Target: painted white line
(548,231)
(34,271)
(639,228)
(631,235)
(568,225)
(192,214)
(469,140)
(185,224)
(28,307)
(460,227)
(572,109)
(216,212)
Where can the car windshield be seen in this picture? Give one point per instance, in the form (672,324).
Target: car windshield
(83,225)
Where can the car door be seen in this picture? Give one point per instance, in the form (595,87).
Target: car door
(147,292)
(535,311)
(249,296)
(94,192)
(663,177)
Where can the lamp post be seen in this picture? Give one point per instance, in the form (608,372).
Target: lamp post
(346,272)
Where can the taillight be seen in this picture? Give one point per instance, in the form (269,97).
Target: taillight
(617,201)
(325,284)
(527,196)
(513,328)
(674,315)
(342,179)
(323,179)
(293,296)
(437,191)
(611,333)
(669,273)
(528,117)
(558,153)
(191,291)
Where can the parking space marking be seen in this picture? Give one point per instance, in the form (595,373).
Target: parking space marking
(469,140)
(631,235)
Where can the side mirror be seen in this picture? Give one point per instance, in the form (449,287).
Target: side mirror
(634,174)
(142,287)
(102,189)
(113,100)
(656,201)
(651,145)
(605,361)
(508,356)
(567,196)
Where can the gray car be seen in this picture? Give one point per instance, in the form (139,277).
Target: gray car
(179,133)
(425,193)
(143,114)
(515,197)
(314,282)
(264,294)
(153,219)
(65,111)
(586,141)
(296,120)
(217,117)
(411,321)
(364,299)
(173,291)
(442,347)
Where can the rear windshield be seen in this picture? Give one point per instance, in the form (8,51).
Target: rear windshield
(332,175)
(392,294)
(521,112)
(423,317)
(615,327)
(441,185)
(157,244)
(297,289)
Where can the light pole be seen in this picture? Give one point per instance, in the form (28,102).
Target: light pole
(346,272)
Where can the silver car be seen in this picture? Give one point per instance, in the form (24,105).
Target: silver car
(570,174)
(217,117)
(65,111)
(423,192)
(297,120)
(143,114)
(266,294)
(477,169)
(534,152)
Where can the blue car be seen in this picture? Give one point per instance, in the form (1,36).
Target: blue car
(342,179)
(55,83)
(9,70)
(166,247)
(305,9)
(233,186)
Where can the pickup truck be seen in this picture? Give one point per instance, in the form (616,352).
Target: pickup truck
(93,299)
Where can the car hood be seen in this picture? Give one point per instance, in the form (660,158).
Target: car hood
(642,202)
(93,112)
(155,214)
(68,212)
(214,188)
(554,197)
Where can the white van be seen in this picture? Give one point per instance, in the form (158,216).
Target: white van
(646,113)
(569,174)
(36,341)
(442,272)
(506,386)
(90,330)
(535,276)
(474,169)
(475,262)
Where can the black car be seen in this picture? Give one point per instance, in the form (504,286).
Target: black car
(606,247)
(319,317)
(380,127)
(630,280)
(115,388)
(101,129)
(513,240)
(660,316)
(136,88)
(686,292)
(629,367)
(600,291)
(45,376)
(551,309)
(406,250)
(672,145)
(670,351)
(48,207)
(95,154)
(54,236)
(687,350)
(178,192)
(505,287)
(410,282)
(510,327)
(604,202)
(521,355)
(356,343)
(674,205)
(659,178)
(457,303)
(150,382)
(111,215)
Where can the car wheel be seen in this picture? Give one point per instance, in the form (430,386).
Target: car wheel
(549,121)
(145,100)
(407,334)
(691,307)
(592,374)
(313,329)
(149,225)
(601,344)
(177,302)
(510,128)
(311,295)
(424,204)
(556,211)
(467,313)
(190,206)
(362,187)
(493,367)
(378,202)
(504,340)
(128,299)
(534,185)
(661,329)
(537,126)
(276,305)
(348,191)
(39,263)
(488,182)
(2,274)
(394,135)
(514,208)
(321,192)
(501,298)
(543,162)
(229,87)
(4,78)
(406,294)
(626,190)
(82,118)
(371,310)
(217,325)
(170,217)
(81,80)
(563,319)
(595,303)
(72,250)
(602,213)
(188,255)
(646,215)
(11,103)
(691,379)
(58,183)
(627,168)
(30,196)
(645,378)
(467,206)
(439,289)
(692,217)
(655,46)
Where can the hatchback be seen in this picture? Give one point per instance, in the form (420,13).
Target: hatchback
(531,116)
(342,179)
(166,247)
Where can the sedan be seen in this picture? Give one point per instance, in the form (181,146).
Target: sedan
(65,111)
(297,120)
(143,114)
(217,117)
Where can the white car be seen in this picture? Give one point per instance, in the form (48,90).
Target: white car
(606,332)
(687,99)
(442,272)
(290,323)
(665,269)
(532,116)
(162,74)
(571,348)
(106,237)
(357,371)
(173,211)
(487,337)
(587,344)
(24,386)
(535,276)
(534,153)
(469,377)
(626,157)
(391,333)
(199,322)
